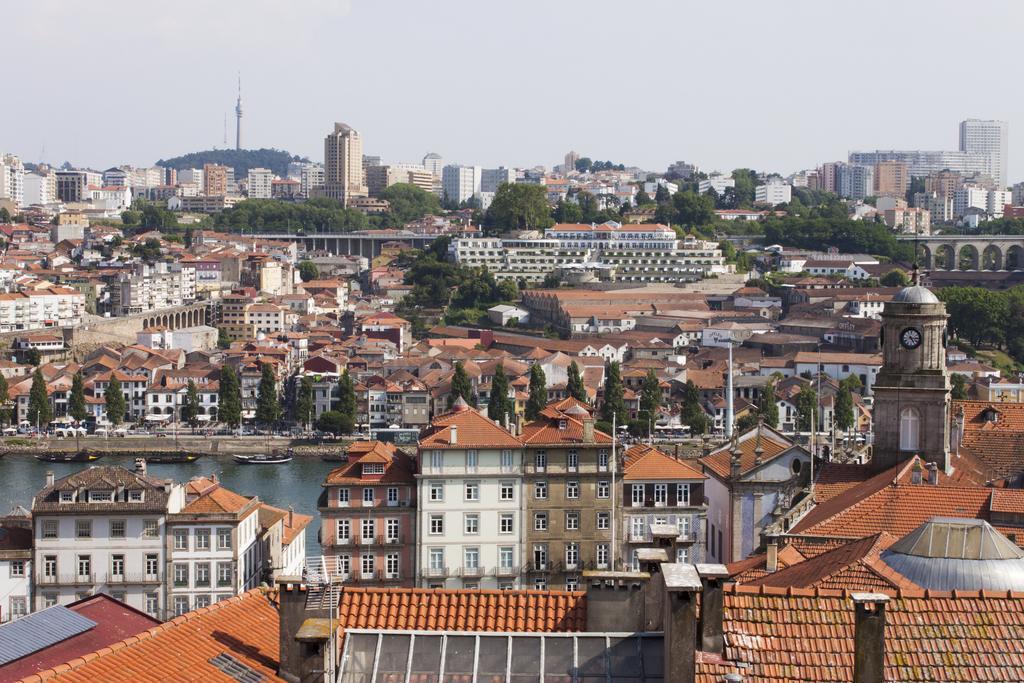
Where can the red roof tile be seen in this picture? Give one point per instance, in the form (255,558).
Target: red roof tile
(646,463)
(473,431)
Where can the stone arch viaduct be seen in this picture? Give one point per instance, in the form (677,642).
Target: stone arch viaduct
(970,252)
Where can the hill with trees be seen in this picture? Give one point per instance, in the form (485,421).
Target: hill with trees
(239,159)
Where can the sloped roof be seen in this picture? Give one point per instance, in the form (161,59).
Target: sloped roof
(217,501)
(473,431)
(772,444)
(646,463)
(997,448)
(560,428)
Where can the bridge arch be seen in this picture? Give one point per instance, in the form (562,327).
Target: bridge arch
(992,258)
(945,258)
(967,258)
(926,257)
(1014,258)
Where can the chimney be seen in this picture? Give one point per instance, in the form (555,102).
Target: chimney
(682,584)
(291,516)
(651,560)
(933,473)
(454,431)
(772,561)
(304,633)
(616,601)
(712,634)
(49,478)
(588,430)
(869,637)
(915,473)
(140,466)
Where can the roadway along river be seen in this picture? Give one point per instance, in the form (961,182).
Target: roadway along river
(296,483)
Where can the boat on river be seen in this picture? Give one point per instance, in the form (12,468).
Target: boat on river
(171,458)
(272,458)
(63,456)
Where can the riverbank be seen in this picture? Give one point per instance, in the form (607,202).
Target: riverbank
(154,445)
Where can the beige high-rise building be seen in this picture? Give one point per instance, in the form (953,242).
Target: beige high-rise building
(892,179)
(943,183)
(215,180)
(569,164)
(343,165)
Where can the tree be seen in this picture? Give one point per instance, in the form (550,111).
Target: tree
(693,209)
(768,407)
(650,395)
(568,212)
(538,392)
(40,412)
(190,409)
(33,357)
(844,417)
(335,422)
(308,271)
(575,386)
(747,422)
(5,215)
(692,413)
(851,382)
(613,404)
(519,206)
(643,198)
(114,398)
(583,164)
(461,386)
(347,404)
(807,408)
(499,405)
(409,202)
(959,383)
(268,408)
(894,278)
(304,402)
(223,340)
(4,397)
(229,410)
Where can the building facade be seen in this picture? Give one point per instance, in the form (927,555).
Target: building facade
(343,164)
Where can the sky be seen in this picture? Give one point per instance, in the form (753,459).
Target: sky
(775,86)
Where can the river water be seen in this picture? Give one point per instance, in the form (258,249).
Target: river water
(296,483)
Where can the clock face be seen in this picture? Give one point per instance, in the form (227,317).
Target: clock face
(910,338)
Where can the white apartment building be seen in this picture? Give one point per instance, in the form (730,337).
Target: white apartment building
(470,503)
(855,181)
(40,189)
(493,178)
(152,286)
(991,202)
(259,183)
(989,138)
(630,253)
(310,175)
(35,309)
(717,182)
(102,529)
(460,183)
(773,193)
(12,179)
(15,567)
(996,201)
(190,176)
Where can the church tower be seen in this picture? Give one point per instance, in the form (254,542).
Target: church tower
(912,391)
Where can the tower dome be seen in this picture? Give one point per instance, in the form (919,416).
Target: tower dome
(915,294)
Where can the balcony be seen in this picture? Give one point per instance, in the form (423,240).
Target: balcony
(133,578)
(506,571)
(369,540)
(435,572)
(472,572)
(397,504)
(544,567)
(72,579)
(343,540)
(393,540)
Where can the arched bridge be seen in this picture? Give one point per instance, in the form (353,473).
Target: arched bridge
(970,252)
(178,317)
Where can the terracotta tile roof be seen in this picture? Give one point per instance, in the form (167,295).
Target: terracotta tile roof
(398,467)
(462,610)
(996,448)
(755,566)
(218,500)
(244,626)
(785,635)
(294,523)
(473,431)
(1008,501)
(646,463)
(772,443)
(559,428)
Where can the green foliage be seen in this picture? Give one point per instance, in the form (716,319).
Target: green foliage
(568,212)
(851,382)
(687,208)
(768,408)
(983,316)
(743,192)
(268,407)
(575,385)
(613,404)
(642,198)
(347,404)
(229,401)
(438,283)
(5,412)
(410,203)
(113,395)
(691,412)
(844,417)
(223,341)
(461,386)
(239,159)
(807,408)
(271,215)
(650,394)
(829,226)
(519,206)
(499,405)
(33,357)
(190,409)
(308,271)
(304,401)
(894,278)
(747,422)
(335,422)
(538,392)
(148,251)
(76,401)
(959,383)
(5,215)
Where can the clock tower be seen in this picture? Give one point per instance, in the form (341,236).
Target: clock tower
(912,391)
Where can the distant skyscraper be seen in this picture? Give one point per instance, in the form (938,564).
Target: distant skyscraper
(215,180)
(570,161)
(459,183)
(344,178)
(238,116)
(990,138)
(433,163)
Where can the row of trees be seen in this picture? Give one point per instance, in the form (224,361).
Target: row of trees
(986,317)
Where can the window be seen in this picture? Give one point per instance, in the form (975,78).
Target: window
(367,565)
(540,460)
(540,555)
(506,461)
(367,496)
(682,495)
(572,489)
(572,583)
(67,496)
(101,496)
(373,468)
(572,460)
(540,583)
(202,601)
(472,523)
(343,530)
(540,521)
(343,497)
(437,559)
(181,539)
(603,520)
(152,565)
(506,523)
(436,461)
(638,495)
(49,528)
(436,525)
(180,605)
(181,574)
(603,489)
(17,567)
(637,528)
(224,539)
(602,460)
(661,494)
(572,555)
(391,565)
(203,574)
(471,558)
(472,456)
(224,573)
(50,566)
(910,427)
(436,491)
(84,566)
(152,603)
(202,539)
(392,495)
(19,607)
(391,528)
(572,521)
(540,490)
(117,565)
(149,528)
(83,528)
(683,555)
(506,558)
(472,491)
(368,529)
(601,555)
(507,490)
(117,527)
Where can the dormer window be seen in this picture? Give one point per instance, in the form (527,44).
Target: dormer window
(561,425)
(135,496)
(101,496)
(67,496)
(373,468)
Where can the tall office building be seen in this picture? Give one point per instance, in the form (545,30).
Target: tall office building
(260,182)
(892,179)
(990,138)
(344,178)
(459,183)
(433,162)
(569,164)
(855,181)
(215,180)
(493,178)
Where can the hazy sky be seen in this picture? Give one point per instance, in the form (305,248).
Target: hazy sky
(775,86)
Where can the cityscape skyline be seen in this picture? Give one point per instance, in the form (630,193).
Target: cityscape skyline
(757,126)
